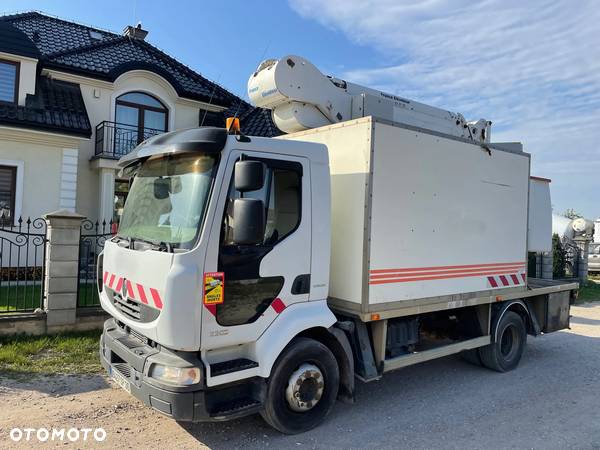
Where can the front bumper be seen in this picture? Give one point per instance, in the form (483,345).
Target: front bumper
(126,356)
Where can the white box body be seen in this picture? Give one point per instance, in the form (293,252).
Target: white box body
(417,215)
(539,238)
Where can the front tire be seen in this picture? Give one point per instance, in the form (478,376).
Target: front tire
(302,388)
(505,353)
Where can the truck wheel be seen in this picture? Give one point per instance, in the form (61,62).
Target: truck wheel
(302,388)
(505,354)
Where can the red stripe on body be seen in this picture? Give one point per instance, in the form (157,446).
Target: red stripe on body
(504,280)
(119,284)
(212,309)
(105,278)
(111,281)
(515,279)
(396,279)
(524,277)
(130,292)
(467,266)
(278,305)
(143,297)
(492,281)
(156,297)
(446,272)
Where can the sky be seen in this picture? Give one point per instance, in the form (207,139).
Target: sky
(531,67)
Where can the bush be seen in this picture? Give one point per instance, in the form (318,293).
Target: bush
(559,258)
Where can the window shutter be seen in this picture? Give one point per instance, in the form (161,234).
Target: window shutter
(7,192)
(8,81)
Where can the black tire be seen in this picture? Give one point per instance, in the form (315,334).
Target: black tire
(277,411)
(505,353)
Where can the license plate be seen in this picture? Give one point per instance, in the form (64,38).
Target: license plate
(120,380)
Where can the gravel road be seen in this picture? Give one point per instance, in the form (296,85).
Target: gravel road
(551,401)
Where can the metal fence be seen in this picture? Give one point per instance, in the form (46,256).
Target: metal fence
(22,269)
(114,140)
(91,243)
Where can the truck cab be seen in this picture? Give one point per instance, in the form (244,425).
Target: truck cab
(212,215)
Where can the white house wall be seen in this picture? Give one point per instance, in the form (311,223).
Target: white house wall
(40,165)
(99,98)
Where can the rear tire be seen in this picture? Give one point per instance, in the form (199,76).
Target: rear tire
(302,388)
(505,353)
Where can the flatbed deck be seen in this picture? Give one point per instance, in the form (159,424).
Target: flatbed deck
(535,287)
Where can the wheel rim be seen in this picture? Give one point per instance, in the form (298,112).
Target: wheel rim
(305,388)
(508,342)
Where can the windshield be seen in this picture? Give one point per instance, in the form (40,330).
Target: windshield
(167,199)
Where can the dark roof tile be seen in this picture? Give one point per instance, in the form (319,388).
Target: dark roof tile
(57,106)
(70,46)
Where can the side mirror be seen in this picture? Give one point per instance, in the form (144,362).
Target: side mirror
(248,221)
(249,176)
(161,188)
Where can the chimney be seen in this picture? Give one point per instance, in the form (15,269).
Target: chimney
(136,32)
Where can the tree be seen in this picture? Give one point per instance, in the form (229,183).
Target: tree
(559,258)
(572,214)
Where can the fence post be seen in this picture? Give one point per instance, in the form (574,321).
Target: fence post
(62,267)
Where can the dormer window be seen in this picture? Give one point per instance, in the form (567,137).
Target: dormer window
(9,81)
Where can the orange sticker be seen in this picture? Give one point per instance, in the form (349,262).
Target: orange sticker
(214,288)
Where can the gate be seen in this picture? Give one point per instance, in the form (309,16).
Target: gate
(22,269)
(91,243)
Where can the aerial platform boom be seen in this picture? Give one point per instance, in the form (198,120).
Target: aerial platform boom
(301,98)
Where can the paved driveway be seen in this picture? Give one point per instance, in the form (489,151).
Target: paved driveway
(551,401)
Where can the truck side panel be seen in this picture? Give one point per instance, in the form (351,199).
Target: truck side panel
(447,217)
(349,147)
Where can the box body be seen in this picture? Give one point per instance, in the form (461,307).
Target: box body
(420,216)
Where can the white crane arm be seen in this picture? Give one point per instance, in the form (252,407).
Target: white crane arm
(301,97)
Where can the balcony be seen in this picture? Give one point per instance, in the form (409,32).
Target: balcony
(114,140)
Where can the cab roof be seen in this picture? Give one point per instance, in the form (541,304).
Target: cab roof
(203,139)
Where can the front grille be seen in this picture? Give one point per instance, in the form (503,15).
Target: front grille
(133,338)
(123,368)
(128,307)
(140,337)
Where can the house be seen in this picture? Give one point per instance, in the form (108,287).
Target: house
(74,99)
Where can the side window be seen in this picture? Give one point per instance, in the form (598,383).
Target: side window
(247,294)
(283,213)
(281,195)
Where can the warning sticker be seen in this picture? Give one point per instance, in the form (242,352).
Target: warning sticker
(214,288)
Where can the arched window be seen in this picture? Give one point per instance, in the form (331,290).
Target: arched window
(141,114)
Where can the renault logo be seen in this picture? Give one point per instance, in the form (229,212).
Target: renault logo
(124,288)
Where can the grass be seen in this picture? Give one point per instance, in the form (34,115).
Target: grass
(28,297)
(69,353)
(590,292)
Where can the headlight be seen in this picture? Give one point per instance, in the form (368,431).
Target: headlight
(180,376)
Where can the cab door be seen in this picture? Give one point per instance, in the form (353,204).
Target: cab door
(260,280)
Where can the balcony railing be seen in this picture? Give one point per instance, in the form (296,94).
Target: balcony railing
(114,140)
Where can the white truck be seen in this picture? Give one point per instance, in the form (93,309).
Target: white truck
(266,275)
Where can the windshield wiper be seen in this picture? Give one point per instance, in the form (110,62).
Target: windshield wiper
(155,245)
